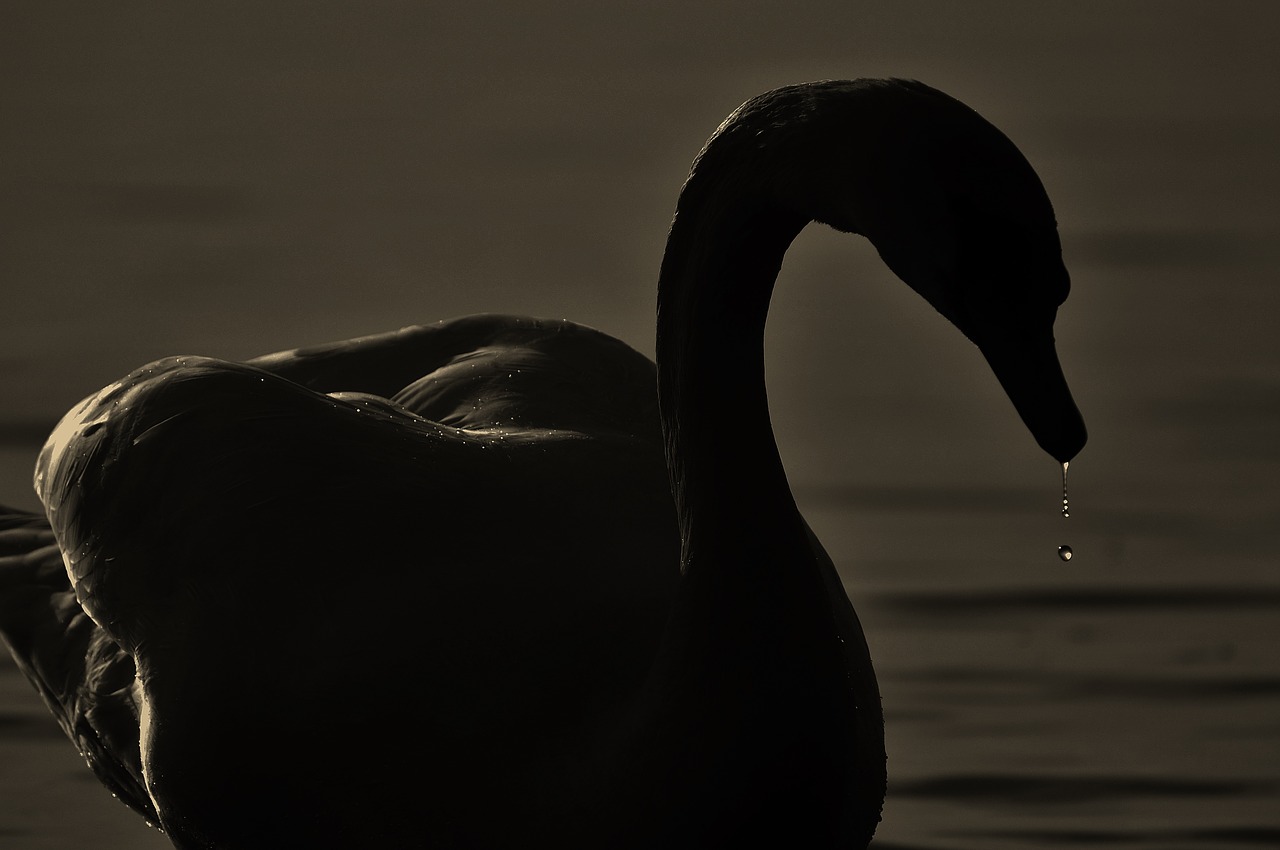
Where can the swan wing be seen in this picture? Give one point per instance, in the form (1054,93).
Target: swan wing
(293,560)
(490,371)
(85,678)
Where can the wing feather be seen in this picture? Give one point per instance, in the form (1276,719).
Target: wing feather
(85,678)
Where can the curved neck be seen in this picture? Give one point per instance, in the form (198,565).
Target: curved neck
(762,644)
(722,259)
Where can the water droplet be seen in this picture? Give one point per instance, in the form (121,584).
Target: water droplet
(1066,507)
(1065,553)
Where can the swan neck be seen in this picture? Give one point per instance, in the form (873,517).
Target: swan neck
(718,274)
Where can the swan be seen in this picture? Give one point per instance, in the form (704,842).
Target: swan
(476,584)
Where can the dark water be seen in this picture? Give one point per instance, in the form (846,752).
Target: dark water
(238,179)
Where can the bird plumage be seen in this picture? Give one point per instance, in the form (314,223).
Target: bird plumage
(497,581)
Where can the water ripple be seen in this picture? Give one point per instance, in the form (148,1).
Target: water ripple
(27,727)
(1055,600)
(1264,836)
(1002,789)
(1067,685)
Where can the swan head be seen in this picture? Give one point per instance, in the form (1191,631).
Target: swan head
(955,211)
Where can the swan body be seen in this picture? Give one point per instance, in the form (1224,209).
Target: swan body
(477,584)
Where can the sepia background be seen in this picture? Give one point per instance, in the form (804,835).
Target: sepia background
(233,178)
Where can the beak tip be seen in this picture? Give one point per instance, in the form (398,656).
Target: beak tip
(1067,440)
(1032,377)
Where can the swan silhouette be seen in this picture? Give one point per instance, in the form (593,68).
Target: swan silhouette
(432,588)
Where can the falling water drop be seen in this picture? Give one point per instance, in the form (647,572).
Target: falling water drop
(1066,507)
(1064,551)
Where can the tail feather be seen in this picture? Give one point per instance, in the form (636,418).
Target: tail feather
(84,677)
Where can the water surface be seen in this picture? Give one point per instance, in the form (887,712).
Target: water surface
(237,179)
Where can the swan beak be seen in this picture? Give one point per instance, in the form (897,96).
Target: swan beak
(1030,373)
